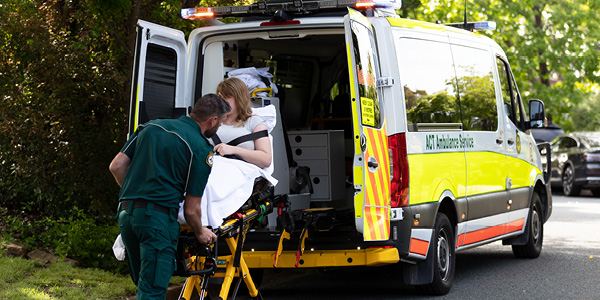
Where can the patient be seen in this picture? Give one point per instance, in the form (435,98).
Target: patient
(240,122)
(244,149)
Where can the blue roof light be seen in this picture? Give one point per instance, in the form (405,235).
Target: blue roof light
(394,4)
(487,25)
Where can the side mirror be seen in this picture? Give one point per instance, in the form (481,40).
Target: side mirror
(537,113)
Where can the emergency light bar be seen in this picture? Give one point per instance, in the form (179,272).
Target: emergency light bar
(475,26)
(268,8)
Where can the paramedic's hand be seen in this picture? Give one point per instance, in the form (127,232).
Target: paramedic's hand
(206,236)
(224,149)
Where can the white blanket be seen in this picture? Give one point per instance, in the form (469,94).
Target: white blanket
(231,181)
(252,78)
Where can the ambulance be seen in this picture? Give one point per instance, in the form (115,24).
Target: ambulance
(413,137)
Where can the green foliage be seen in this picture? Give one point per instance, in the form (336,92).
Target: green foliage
(60,109)
(64,79)
(436,108)
(552,45)
(588,113)
(26,279)
(85,239)
(65,68)
(478,102)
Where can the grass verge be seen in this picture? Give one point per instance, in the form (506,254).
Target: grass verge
(28,279)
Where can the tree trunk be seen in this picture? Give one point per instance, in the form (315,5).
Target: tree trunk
(131,36)
(544,73)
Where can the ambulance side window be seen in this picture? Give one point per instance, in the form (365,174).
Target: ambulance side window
(429,82)
(512,104)
(474,73)
(159,84)
(366,73)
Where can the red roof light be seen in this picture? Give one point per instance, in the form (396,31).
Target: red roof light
(273,23)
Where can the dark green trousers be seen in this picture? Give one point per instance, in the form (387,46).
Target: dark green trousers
(150,239)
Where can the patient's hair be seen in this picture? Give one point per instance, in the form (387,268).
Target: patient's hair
(236,88)
(210,105)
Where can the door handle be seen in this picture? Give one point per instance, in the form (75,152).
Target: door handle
(510,142)
(372,164)
(499,141)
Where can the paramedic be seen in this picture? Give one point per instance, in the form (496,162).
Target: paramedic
(160,162)
(240,122)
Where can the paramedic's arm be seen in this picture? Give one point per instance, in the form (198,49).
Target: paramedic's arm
(191,210)
(260,156)
(119,166)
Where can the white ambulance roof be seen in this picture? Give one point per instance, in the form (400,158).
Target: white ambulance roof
(309,22)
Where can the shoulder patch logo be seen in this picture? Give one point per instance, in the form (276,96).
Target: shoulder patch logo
(209,159)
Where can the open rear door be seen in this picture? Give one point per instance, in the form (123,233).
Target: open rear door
(371,157)
(158,75)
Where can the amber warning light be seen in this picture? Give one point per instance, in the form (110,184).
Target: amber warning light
(197,13)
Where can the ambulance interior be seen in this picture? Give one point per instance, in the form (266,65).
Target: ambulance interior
(311,75)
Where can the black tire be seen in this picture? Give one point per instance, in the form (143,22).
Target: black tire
(443,258)
(535,226)
(568,182)
(596,192)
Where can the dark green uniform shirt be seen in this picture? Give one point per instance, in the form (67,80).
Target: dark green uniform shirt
(168,157)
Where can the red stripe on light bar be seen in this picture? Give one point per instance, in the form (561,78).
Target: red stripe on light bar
(365,4)
(290,22)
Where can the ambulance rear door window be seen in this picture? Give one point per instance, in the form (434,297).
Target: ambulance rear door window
(366,73)
(159,83)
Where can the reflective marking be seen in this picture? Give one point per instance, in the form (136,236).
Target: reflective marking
(377,221)
(370,220)
(189,148)
(353,103)
(515,225)
(490,232)
(359,197)
(137,109)
(421,234)
(418,246)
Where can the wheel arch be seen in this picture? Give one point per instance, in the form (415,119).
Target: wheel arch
(543,191)
(448,207)
(564,167)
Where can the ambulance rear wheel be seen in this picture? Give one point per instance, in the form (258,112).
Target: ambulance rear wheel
(535,226)
(443,257)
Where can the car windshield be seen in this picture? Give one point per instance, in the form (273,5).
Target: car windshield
(592,139)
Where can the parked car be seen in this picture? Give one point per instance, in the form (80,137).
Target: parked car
(546,134)
(576,162)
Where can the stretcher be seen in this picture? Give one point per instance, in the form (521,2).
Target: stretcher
(200,262)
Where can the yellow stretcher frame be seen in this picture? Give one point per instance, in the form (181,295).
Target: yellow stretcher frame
(374,256)
(323,258)
(256,91)
(194,282)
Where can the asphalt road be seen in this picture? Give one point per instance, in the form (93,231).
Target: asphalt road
(568,268)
